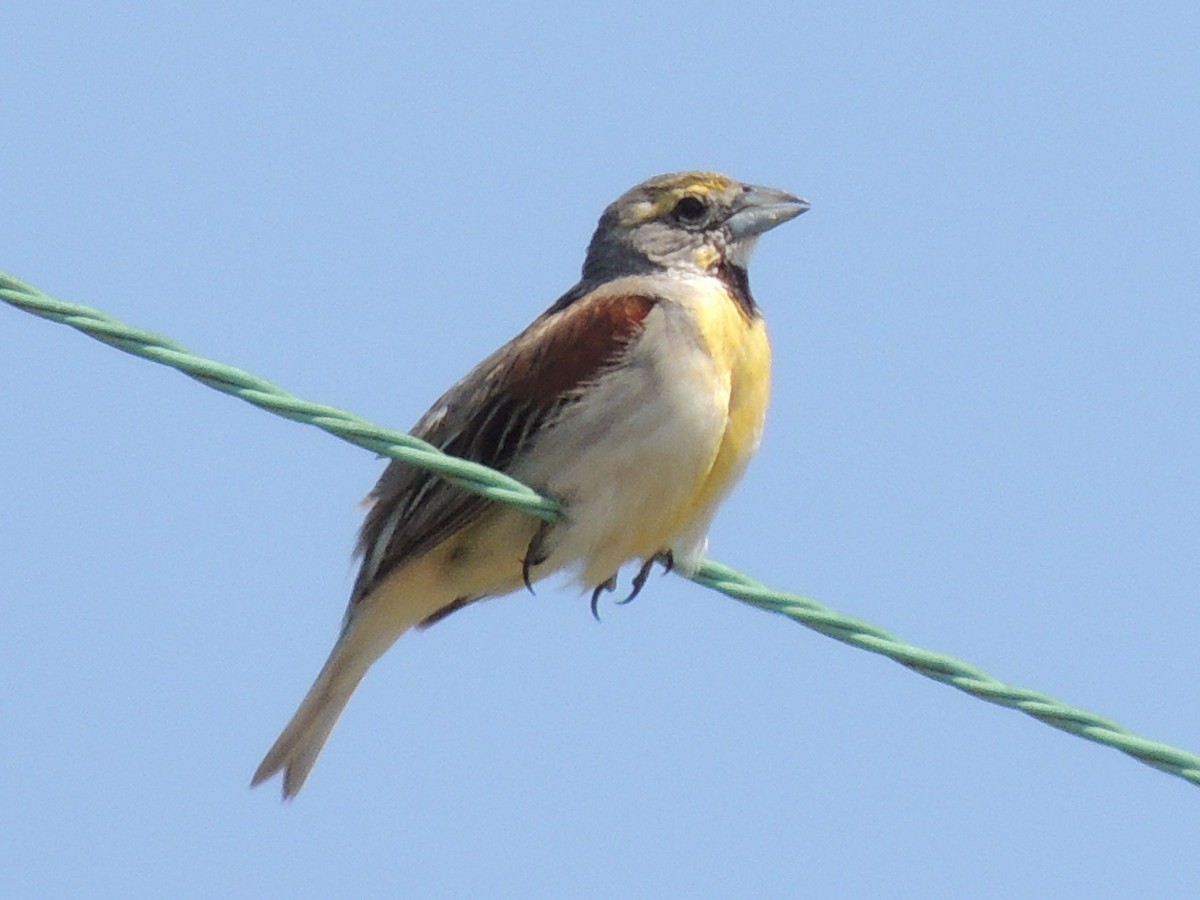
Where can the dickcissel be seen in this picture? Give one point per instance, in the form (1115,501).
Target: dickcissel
(635,401)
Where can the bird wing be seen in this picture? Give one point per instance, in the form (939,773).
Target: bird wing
(490,417)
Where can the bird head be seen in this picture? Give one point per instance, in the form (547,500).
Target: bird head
(695,222)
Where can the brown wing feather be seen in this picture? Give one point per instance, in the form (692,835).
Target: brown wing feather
(489,417)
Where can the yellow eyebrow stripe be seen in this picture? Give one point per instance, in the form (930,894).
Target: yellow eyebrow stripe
(668,193)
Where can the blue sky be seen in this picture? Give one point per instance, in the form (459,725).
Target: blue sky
(984,438)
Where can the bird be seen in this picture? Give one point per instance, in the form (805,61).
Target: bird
(635,401)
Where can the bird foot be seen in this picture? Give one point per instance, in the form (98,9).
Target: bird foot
(665,558)
(535,554)
(610,585)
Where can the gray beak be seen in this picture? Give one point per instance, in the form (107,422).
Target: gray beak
(760,209)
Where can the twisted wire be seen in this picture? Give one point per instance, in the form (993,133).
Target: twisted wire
(503,489)
(265,395)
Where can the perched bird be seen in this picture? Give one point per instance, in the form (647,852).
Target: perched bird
(636,401)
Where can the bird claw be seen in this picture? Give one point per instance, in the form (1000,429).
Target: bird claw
(610,585)
(535,554)
(665,558)
(668,561)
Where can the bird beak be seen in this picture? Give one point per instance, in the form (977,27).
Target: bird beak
(760,209)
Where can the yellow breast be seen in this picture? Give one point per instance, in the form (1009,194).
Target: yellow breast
(739,346)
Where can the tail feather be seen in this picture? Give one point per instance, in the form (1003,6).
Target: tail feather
(298,747)
(373,625)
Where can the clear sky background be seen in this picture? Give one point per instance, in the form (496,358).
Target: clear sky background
(984,438)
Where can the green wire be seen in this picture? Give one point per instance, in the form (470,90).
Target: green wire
(503,489)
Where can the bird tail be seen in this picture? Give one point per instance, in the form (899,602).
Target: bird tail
(372,626)
(298,747)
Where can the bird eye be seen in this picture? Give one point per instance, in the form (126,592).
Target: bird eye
(689,211)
